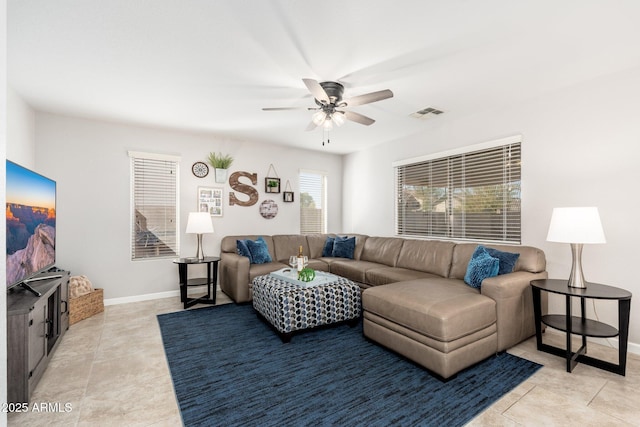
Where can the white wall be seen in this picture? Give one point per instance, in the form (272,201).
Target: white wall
(89,161)
(21,144)
(580,148)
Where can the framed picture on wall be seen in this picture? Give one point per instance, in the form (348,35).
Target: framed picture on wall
(210,200)
(272,185)
(288,196)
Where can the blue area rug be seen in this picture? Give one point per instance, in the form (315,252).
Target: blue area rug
(229,368)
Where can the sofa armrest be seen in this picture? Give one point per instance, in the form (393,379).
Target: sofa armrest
(514,305)
(234,276)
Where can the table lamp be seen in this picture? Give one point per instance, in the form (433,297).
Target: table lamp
(199,223)
(576,226)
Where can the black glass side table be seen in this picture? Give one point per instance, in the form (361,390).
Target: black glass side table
(580,325)
(210,281)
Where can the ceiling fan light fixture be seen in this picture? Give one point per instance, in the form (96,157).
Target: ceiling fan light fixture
(328,123)
(319,118)
(338,118)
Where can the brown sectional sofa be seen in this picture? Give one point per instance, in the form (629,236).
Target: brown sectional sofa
(424,311)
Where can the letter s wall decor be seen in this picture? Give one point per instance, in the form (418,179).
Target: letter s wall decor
(234,183)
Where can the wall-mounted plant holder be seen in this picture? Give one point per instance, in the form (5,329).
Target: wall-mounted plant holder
(221,175)
(287,194)
(220,162)
(272,183)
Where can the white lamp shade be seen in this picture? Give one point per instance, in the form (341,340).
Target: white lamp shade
(199,223)
(575,225)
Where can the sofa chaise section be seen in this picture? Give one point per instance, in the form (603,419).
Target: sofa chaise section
(445,325)
(442,324)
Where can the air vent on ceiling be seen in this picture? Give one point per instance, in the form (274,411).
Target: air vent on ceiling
(426,113)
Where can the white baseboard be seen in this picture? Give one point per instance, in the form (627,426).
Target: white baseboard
(138,298)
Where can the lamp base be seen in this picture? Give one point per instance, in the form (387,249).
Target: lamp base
(200,252)
(576,278)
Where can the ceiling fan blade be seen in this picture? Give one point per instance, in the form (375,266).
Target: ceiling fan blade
(311,126)
(358,118)
(288,108)
(367,98)
(316,90)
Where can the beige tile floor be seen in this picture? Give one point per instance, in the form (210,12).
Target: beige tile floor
(112,369)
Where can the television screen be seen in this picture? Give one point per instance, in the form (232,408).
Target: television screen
(31,223)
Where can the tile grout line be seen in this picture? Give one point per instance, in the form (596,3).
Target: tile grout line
(93,361)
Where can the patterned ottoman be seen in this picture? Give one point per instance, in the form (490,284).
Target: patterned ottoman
(289,305)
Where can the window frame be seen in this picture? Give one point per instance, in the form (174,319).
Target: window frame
(135,157)
(455,223)
(323,195)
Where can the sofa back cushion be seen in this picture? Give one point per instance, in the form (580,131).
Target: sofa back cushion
(531,259)
(286,245)
(430,256)
(229,243)
(383,250)
(360,241)
(316,244)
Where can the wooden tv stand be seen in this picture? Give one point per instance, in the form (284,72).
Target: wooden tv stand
(35,326)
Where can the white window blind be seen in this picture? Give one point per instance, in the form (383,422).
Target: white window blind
(473,195)
(313,202)
(154,193)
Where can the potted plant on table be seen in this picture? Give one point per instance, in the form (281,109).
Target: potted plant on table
(220,162)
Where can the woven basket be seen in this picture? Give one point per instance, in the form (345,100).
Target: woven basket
(86,306)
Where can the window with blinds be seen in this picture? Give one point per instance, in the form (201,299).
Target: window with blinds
(313,202)
(474,195)
(154,212)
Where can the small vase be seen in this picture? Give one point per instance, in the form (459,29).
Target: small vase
(221,175)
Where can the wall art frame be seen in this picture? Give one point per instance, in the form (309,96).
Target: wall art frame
(287,196)
(211,199)
(272,185)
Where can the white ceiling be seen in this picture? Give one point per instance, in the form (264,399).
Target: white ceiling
(211,65)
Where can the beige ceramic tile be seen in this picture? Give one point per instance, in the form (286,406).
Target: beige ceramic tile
(619,400)
(492,418)
(124,404)
(542,407)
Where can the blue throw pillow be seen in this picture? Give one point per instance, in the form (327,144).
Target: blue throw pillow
(259,251)
(328,247)
(507,260)
(343,247)
(481,265)
(243,249)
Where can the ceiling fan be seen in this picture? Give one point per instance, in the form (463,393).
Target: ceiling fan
(331,106)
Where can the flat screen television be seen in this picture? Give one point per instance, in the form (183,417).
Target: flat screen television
(31,224)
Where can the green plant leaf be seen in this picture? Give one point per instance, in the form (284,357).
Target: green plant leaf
(220,161)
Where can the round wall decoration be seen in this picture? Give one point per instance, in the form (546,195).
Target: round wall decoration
(269,209)
(200,169)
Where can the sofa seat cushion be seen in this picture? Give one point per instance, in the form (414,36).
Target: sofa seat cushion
(441,309)
(352,269)
(262,269)
(318,264)
(386,275)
